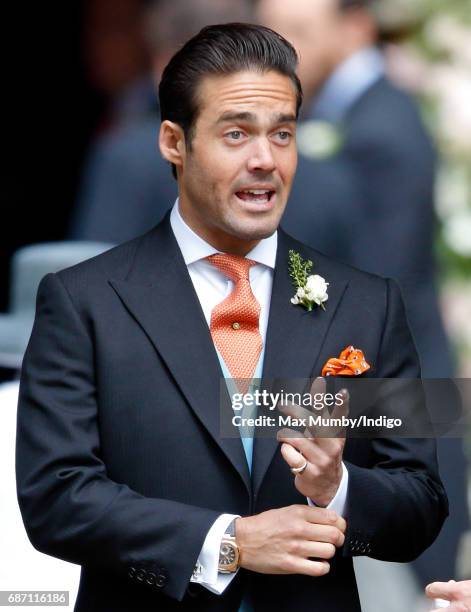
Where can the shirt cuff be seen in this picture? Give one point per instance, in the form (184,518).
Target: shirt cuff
(338,503)
(206,567)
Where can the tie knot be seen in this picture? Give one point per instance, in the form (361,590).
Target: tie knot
(233,266)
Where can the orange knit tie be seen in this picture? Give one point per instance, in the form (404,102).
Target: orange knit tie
(234,321)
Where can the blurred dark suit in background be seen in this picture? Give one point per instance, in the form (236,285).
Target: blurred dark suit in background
(378,193)
(127,186)
(370,202)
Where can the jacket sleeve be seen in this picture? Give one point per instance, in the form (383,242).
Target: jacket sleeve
(396,504)
(70,507)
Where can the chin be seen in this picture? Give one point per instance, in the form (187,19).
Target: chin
(255,233)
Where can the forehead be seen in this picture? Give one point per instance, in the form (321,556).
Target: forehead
(252,91)
(296,11)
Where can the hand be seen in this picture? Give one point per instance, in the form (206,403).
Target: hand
(323,474)
(282,541)
(458,593)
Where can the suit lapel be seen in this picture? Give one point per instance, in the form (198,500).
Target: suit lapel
(294,337)
(159,294)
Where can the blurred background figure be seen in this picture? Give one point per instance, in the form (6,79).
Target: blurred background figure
(70,78)
(116,59)
(23,567)
(127,186)
(364,193)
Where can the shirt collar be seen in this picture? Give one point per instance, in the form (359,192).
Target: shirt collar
(194,248)
(347,83)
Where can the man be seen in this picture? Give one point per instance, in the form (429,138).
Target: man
(370,201)
(120,463)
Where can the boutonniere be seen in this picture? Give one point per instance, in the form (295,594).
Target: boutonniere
(350,362)
(319,139)
(310,289)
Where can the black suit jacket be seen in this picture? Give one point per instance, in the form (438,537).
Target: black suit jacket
(120,464)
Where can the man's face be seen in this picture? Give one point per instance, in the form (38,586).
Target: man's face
(236,176)
(314,28)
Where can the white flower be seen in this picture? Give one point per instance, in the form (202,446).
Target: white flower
(316,289)
(311,290)
(318,139)
(457,233)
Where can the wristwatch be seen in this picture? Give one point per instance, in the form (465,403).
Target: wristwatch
(229,553)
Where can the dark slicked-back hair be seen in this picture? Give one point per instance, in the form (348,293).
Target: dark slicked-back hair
(221,50)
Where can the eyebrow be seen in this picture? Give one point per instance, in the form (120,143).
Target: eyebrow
(248,117)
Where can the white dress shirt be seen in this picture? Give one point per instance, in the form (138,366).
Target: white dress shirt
(212,287)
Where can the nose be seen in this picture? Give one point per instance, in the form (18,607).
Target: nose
(261,157)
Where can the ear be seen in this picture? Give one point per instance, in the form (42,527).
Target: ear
(172,143)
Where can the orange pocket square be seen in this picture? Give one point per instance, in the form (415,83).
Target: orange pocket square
(350,362)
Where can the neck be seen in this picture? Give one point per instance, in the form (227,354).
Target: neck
(225,243)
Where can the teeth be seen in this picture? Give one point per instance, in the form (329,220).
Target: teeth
(257,191)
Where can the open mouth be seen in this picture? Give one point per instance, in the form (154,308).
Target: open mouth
(261,196)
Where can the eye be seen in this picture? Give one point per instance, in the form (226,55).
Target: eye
(284,136)
(234,135)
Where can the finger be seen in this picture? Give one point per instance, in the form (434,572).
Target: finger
(332,447)
(288,434)
(298,565)
(302,452)
(458,606)
(305,416)
(341,524)
(292,457)
(318,390)
(295,411)
(330,534)
(314,550)
(318,386)
(441,590)
(341,408)
(317,455)
(323,516)
(339,412)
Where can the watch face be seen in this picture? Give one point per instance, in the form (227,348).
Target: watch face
(227,555)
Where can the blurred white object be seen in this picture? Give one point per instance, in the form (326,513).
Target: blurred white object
(22,568)
(457,233)
(29,265)
(378,586)
(441,603)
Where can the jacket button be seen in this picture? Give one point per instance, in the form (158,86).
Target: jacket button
(141,574)
(160,580)
(151,577)
(132,572)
